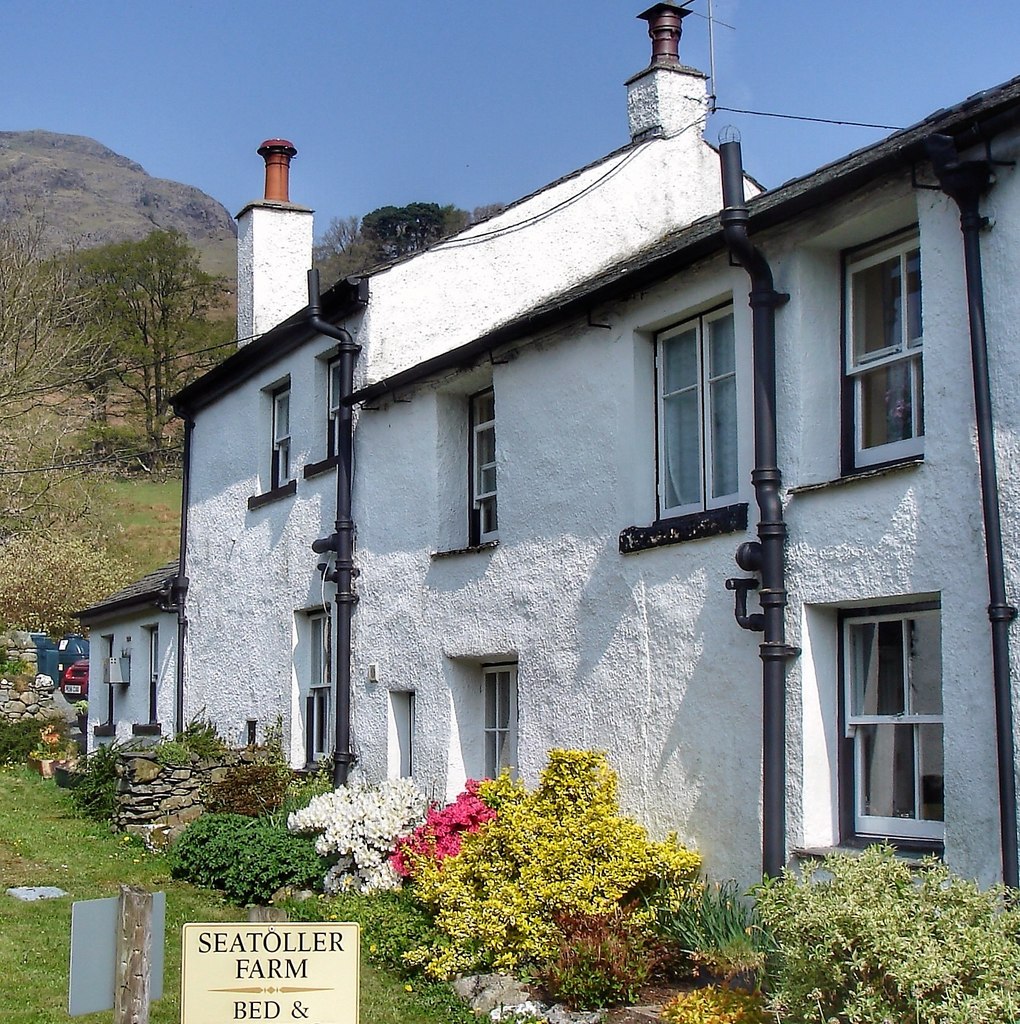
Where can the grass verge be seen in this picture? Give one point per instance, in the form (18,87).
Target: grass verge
(42,843)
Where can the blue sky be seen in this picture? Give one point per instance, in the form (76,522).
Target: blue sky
(468,102)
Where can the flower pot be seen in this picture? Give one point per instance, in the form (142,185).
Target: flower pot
(42,765)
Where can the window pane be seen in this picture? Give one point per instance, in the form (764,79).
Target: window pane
(930,764)
(682,449)
(913,260)
(886,404)
(503,709)
(925,665)
(724,436)
(487,511)
(486,451)
(877,314)
(886,766)
(876,651)
(485,407)
(334,384)
(680,359)
(282,425)
(721,359)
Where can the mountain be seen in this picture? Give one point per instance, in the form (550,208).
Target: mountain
(89,195)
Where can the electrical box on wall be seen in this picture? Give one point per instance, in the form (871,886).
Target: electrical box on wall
(117,670)
(373,673)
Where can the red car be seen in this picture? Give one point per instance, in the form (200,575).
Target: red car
(74,683)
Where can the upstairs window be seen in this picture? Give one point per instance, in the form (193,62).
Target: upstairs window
(892,703)
(884,374)
(482,468)
(696,374)
(333,403)
(281,468)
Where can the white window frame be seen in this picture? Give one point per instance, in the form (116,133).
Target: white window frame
(499,708)
(152,652)
(281,466)
(333,407)
(318,718)
(704,388)
(483,500)
(880,826)
(906,350)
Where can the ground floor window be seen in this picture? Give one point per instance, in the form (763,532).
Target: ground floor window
(317,702)
(499,688)
(401,734)
(893,723)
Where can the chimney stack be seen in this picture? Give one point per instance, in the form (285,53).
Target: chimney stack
(274,249)
(666,98)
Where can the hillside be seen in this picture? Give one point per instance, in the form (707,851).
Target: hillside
(89,195)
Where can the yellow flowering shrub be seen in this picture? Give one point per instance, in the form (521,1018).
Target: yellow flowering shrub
(713,1005)
(564,848)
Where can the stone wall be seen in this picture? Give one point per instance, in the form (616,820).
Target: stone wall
(156,801)
(23,696)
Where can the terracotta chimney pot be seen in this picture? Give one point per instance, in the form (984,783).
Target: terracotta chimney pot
(277,154)
(664,29)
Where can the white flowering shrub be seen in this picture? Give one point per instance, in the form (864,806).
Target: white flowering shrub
(359,825)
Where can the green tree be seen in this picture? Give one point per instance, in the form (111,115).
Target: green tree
(155,304)
(47,343)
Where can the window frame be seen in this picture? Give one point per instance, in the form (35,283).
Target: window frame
(402,723)
(318,700)
(333,407)
(280,462)
(153,665)
(499,733)
(701,323)
(483,515)
(910,351)
(912,831)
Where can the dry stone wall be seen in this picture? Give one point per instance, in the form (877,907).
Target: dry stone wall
(157,801)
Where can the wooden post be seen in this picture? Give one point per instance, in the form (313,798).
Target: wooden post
(133,956)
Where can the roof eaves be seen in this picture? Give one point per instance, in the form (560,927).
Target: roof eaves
(970,122)
(140,593)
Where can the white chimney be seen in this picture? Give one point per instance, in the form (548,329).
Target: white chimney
(667,97)
(274,249)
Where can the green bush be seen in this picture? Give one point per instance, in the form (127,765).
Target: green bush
(392,922)
(249,859)
(250,788)
(602,960)
(95,794)
(869,939)
(713,927)
(17,740)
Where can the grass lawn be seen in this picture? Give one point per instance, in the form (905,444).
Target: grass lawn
(43,843)
(145,518)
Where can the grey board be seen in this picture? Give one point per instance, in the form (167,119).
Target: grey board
(93,953)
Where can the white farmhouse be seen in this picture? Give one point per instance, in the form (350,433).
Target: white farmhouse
(561,441)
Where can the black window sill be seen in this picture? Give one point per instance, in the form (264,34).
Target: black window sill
(908,849)
(853,476)
(318,468)
(679,530)
(471,549)
(146,729)
(108,729)
(258,500)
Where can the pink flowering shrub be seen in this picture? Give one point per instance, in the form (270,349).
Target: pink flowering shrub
(439,837)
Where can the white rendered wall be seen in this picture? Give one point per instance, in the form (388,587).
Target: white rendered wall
(637,654)
(130,634)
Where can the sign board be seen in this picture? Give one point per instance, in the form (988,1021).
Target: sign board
(93,953)
(270,972)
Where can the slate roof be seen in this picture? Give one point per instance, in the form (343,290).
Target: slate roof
(141,593)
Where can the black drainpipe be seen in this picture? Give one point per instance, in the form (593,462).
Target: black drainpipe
(765,556)
(342,539)
(179,587)
(965,181)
